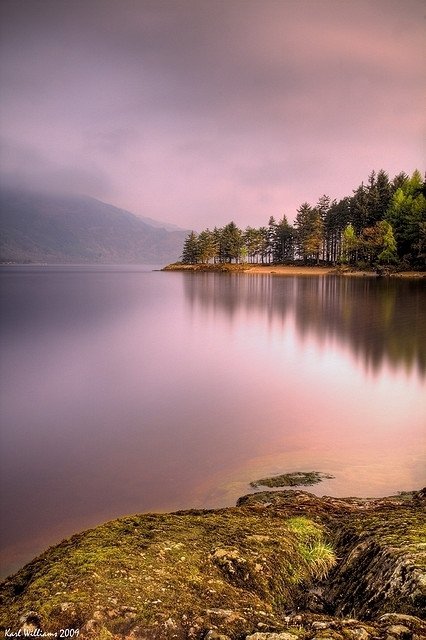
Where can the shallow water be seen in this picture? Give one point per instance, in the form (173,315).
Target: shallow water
(125,390)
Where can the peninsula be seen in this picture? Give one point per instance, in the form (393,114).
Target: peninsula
(291,270)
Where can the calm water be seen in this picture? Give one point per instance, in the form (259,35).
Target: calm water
(125,390)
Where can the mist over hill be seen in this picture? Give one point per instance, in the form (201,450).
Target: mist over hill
(52,228)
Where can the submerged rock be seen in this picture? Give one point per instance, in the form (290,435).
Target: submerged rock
(282,565)
(294,479)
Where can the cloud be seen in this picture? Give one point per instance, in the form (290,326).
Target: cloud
(25,167)
(193,110)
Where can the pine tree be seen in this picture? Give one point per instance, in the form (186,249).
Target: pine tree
(190,251)
(389,254)
(253,241)
(383,221)
(283,242)
(360,208)
(336,220)
(207,246)
(231,242)
(309,234)
(350,244)
(407,215)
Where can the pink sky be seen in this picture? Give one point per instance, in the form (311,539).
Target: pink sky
(197,112)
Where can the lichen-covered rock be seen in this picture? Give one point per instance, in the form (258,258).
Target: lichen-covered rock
(272,636)
(214,635)
(295,479)
(262,571)
(412,622)
(381,543)
(383,563)
(222,570)
(399,632)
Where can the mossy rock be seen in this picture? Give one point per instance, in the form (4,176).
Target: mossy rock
(232,572)
(294,479)
(189,567)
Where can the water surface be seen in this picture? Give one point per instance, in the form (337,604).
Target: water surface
(125,390)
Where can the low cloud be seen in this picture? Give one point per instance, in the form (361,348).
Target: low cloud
(26,168)
(196,112)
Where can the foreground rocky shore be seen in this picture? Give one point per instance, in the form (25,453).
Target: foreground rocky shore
(281,565)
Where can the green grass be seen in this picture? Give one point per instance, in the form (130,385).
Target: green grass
(317,552)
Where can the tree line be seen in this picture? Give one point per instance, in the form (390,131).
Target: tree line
(382,223)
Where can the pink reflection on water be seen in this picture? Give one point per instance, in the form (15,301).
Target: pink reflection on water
(127,393)
(323,404)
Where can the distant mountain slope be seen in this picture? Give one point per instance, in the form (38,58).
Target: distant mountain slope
(36,227)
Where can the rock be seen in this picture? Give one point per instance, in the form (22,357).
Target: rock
(321,625)
(228,559)
(97,616)
(295,479)
(400,626)
(225,614)
(215,635)
(359,633)
(399,632)
(91,626)
(401,618)
(283,635)
(314,601)
(30,622)
(170,624)
(244,573)
(380,567)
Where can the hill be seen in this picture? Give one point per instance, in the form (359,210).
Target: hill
(51,228)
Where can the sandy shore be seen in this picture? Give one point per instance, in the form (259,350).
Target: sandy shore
(290,270)
(287,270)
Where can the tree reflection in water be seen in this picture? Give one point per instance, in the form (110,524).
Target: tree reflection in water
(382,321)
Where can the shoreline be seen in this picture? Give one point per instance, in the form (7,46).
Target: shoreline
(289,270)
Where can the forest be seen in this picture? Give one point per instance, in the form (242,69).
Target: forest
(383,223)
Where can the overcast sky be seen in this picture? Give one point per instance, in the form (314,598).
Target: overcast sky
(197,112)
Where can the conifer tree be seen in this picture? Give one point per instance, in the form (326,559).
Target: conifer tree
(337,218)
(350,244)
(283,243)
(360,208)
(384,221)
(190,251)
(407,215)
(309,235)
(389,254)
(207,246)
(253,241)
(231,242)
